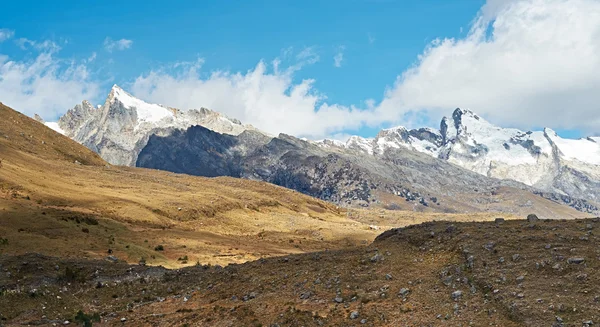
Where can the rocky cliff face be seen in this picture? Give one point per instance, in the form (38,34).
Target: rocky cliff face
(394,177)
(540,159)
(463,166)
(119,129)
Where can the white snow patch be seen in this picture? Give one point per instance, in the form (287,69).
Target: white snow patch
(360,143)
(55,127)
(584,150)
(146,112)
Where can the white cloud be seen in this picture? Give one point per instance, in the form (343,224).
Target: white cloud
(47,45)
(45,85)
(339,57)
(92,57)
(265,96)
(110,45)
(6,34)
(525,63)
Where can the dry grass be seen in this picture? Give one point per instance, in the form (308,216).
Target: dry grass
(45,196)
(531,285)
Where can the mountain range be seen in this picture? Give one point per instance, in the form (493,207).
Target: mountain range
(468,164)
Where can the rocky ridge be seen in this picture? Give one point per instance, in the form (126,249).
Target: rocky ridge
(464,165)
(120,128)
(541,159)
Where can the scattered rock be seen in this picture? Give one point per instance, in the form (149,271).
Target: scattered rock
(576,260)
(404,292)
(499,220)
(377,257)
(532,218)
(354,315)
(338,300)
(456,295)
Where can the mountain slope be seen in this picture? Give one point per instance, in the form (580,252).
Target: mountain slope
(120,128)
(58,197)
(401,168)
(396,178)
(512,273)
(541,159)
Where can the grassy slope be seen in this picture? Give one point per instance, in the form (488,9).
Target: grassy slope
(47,200)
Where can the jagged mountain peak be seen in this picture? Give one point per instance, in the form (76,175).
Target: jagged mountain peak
(120,128)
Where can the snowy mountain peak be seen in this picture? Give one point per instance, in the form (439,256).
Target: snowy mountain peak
(120,128)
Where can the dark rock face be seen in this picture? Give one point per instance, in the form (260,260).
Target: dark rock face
(427,135)
(199,151)
(343,177)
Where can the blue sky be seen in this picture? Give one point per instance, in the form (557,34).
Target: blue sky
(376,40)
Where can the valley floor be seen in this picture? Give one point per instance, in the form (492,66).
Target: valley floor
(512,273)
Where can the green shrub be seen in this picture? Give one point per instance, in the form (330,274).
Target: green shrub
(85,319)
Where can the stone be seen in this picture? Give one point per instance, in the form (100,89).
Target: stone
(470,261)
(499,220)
(388,276)
(338,300)
(532,218)
(520,279)
(516,257)
(305,295)
(576,260)
(354,315)
(376,258)
(404,292)
(456,295)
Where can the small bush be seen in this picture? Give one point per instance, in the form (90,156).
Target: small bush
(73,275)
(3,241)
(85,319)
(159,248)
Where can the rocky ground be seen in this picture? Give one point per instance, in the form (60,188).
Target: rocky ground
(504,273)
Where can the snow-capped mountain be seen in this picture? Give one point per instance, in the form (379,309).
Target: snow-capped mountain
(397,161)
(541,158)
(119,129)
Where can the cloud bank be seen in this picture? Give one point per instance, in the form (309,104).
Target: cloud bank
(523,63)
(44,85)
(527,63)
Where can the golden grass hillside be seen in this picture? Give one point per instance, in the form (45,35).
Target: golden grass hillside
(59,198)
